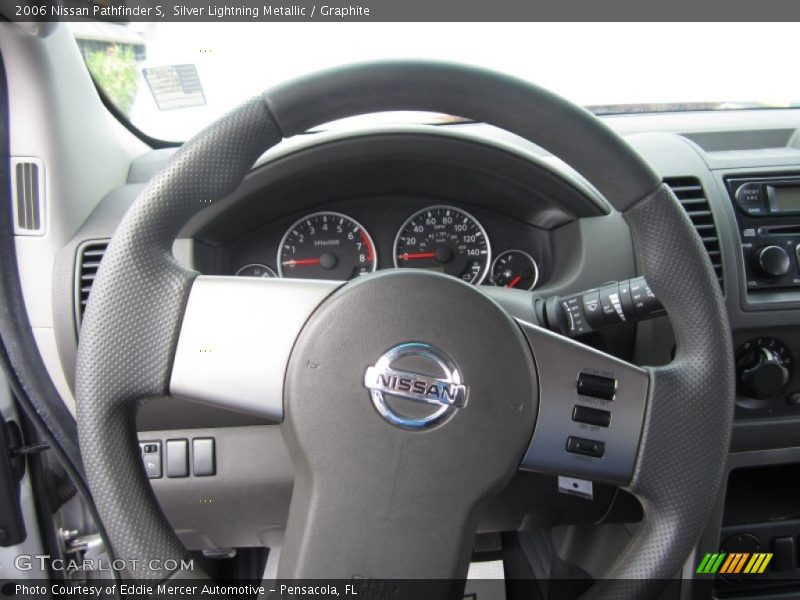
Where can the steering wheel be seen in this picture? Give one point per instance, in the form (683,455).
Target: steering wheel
(401,423)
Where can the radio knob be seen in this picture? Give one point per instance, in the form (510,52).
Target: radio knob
(763,373)
(773,261)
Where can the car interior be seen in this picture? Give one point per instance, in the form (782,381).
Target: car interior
(520,342)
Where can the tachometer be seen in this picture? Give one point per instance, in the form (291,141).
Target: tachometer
(444,239)
(326,245)
(255,270)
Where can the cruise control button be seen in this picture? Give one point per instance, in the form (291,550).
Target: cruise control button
(586,447)
(591,416)
(597,386)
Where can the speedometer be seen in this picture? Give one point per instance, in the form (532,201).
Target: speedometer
(444,239)
(326,245)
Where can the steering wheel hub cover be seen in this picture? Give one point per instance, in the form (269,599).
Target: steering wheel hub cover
(413,486)
(422,374)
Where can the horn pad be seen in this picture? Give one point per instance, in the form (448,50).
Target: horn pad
(410,400)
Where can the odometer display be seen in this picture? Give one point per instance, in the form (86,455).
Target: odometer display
(326,245)
(444,239)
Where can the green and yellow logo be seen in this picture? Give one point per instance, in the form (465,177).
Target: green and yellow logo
(735,562)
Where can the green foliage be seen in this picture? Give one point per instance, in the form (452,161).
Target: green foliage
(114,70)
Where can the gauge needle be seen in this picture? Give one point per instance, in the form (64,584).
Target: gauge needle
(407,256)
(302,261)
(367,243)
(515,281)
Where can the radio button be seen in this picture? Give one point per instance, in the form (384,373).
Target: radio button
(750,197)
(797,255)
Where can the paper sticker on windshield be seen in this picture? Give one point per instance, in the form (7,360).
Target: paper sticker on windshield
(175,86)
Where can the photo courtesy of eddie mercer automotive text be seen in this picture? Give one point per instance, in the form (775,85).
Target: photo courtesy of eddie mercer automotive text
(412,301)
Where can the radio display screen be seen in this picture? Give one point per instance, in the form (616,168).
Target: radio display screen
(784,198)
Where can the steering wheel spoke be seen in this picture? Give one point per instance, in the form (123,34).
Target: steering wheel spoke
(591,410)
(236,338)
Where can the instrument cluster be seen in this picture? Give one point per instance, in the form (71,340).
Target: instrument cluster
(335,246)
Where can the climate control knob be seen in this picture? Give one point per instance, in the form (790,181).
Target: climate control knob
(773,261)
(762,372)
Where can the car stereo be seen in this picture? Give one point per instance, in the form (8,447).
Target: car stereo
(768,215)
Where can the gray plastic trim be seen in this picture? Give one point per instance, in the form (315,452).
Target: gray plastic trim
(29,196)
(236,337)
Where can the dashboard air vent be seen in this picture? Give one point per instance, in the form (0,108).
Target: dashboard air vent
(693,199)
(27,186)
(89,257)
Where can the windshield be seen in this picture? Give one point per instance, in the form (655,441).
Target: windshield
(171,79)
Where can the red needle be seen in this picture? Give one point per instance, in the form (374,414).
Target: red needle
(515,281)
(407,256)
(365,241)
(303,261)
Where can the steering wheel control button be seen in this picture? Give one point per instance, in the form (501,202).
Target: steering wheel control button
(204,463)
(644,300)
(415,386)
(177,463)
(592,448)
(573,312)
(592,309)
(611,303)
(151,457)
(615,304)
(597,386)
(591,416)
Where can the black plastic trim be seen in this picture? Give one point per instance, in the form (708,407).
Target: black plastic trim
(117,113)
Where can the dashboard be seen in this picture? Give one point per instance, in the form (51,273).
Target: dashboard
(492,210)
